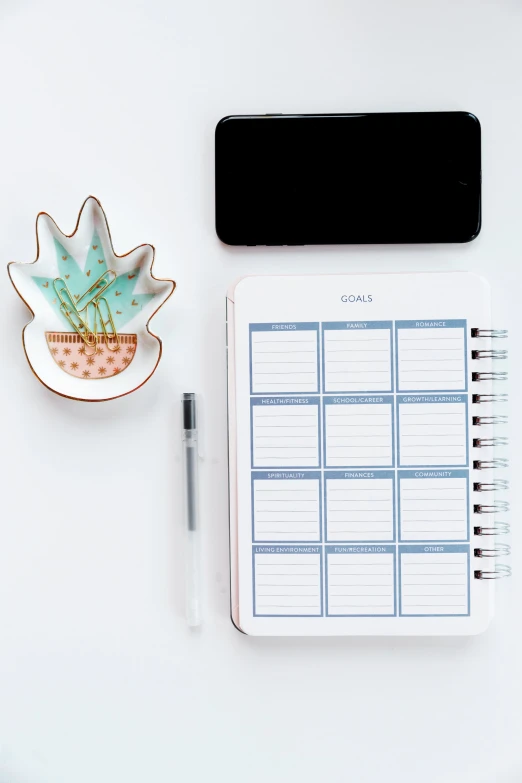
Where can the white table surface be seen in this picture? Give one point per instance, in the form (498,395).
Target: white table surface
(100,679)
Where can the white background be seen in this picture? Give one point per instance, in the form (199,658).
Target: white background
(100,679)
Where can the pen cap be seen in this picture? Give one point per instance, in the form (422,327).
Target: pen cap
(189,411)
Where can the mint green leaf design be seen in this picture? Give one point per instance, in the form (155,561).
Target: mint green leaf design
(52,297)
(69,270)
(123,303)
(45,284)
(96,264)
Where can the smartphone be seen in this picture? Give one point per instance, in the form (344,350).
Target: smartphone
(307,179)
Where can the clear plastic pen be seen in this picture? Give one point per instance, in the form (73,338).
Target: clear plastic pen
(190,481)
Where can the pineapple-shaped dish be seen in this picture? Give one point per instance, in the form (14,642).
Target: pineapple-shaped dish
(91,309)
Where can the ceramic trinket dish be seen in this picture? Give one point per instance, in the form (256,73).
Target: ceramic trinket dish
(89,338)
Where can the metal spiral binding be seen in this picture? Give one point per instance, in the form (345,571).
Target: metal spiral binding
(478,421)
(500,550)
(490,464)
(494,508)
(489,354)
(476,377)
(500,529)
(480,443)
(497,506)
(499,572)
(492,333)
(493,486)
(478,398)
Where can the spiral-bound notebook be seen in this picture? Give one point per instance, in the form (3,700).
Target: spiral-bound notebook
(362,467)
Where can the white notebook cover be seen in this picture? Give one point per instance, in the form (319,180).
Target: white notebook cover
(351,457)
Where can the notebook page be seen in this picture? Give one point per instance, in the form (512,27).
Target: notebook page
(357,359)
(434,503)
(285,432)
(358,431)
(434,580)
(360,581)
(285,359)
(287,581)
(354,456)
(286,505)
(359,505)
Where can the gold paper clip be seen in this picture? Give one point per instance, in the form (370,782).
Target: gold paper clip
(60,286)
(68,308)
(102,283)
(71,310)
(109,336)
(94,330)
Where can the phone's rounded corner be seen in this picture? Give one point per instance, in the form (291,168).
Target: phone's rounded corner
(472,117)
(471,237)
(222,121)
(223,238)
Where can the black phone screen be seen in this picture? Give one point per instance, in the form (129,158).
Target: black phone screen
(348,178)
